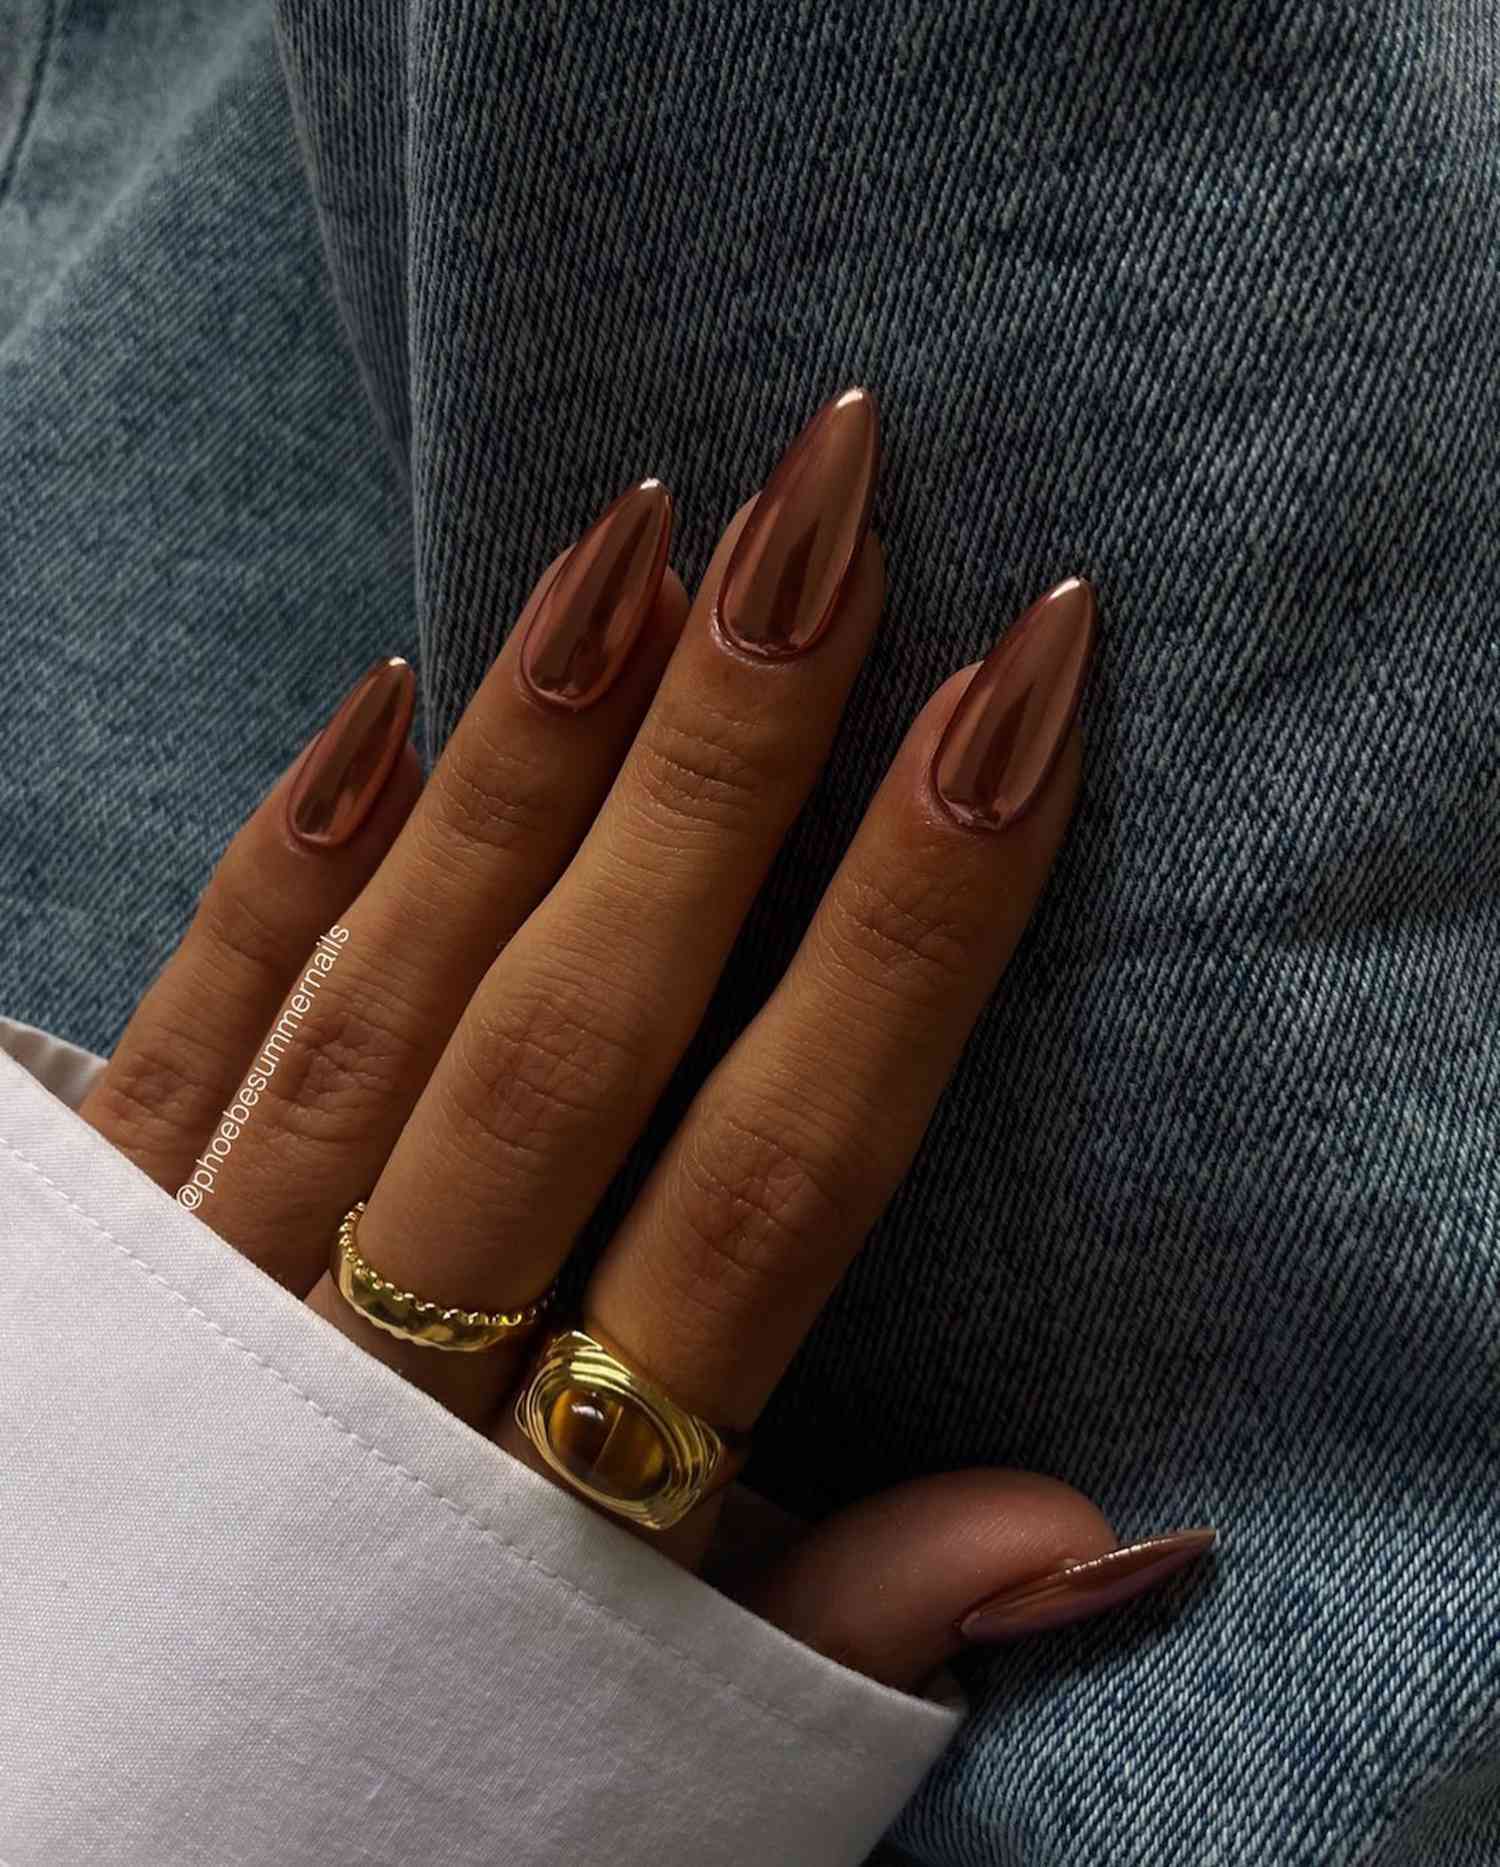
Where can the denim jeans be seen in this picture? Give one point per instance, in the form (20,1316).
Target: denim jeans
(1202,302)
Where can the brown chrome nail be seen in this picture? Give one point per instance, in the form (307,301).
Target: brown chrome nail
(1013,719)
(598,598)
(345,769)
(1084,1588)
(782,584)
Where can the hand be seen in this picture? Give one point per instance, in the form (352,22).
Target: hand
(601,821)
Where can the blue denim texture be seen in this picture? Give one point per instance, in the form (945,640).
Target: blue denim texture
(201,541)
(1202,302)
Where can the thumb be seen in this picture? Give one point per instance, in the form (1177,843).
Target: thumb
(898,1583)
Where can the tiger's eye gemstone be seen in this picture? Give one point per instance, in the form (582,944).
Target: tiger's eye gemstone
(606,1441)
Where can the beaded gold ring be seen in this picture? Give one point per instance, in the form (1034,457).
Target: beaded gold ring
(403,1313)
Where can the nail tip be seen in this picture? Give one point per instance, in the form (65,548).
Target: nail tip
(866,405)
(1075,597)
(1194,1536)
(656,495)
(1142,1566)
(1172,1546)
(395,668)
(404,682)
(650,495)
(859,396)
(655,491)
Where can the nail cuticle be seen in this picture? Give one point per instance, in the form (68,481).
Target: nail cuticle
(768,658)
(974,822)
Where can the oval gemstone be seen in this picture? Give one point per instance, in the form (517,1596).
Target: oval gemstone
(607,1441)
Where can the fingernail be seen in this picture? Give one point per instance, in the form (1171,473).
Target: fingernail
(345,769)
(1084,1588)
(598,598)
(781,587)
(1013,718)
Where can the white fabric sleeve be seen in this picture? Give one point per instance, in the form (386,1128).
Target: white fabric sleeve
(263,1601)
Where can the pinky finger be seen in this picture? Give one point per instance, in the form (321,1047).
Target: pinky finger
(289,872)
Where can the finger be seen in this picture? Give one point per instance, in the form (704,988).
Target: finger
(289,873)
(898,1584)
(799,1137)
(515,789)
(571,1038)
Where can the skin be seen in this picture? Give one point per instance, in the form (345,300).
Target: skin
(533,938)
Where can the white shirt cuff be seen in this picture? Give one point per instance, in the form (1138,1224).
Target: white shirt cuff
(265,1601)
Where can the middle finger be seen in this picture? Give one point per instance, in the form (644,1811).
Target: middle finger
(570,1039)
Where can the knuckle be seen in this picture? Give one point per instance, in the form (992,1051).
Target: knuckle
(151,1095)
(236,923)
(907,935)
(329,1071)
(486,797)
(532,1073)
(756,1191)
(699,769)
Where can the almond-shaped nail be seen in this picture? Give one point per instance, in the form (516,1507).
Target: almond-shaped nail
(1084,1588)
(782,584)
(344,770)
(598,599)
(1013,718)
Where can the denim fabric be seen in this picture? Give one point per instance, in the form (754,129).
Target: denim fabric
(201,540)
(1202,302)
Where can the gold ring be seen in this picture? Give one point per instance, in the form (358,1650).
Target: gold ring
(403,1313)
(618,1438)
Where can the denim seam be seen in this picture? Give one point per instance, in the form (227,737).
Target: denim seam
(40,67)
(737,1691)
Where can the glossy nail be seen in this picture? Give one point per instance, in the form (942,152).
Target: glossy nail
(782,584)
(599,597)
(1084,1588)
(344,770)
(1013,719)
